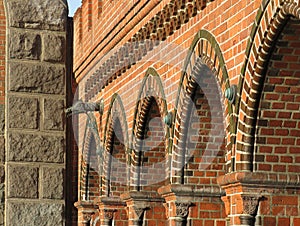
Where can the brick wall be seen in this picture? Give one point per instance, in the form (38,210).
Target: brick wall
(278,118)
(212,147)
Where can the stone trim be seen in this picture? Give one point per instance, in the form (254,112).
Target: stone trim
(260,179)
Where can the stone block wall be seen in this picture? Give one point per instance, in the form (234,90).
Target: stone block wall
(35,148)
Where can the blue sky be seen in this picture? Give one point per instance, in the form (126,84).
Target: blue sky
(73,5)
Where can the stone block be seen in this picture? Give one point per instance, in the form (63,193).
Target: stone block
(33,214)
(38,14)
(22,182)
(2,214)
(2,149)
(54,48)
(25,112)
(25,45)
(53,183)
(2,175)
(54,112)
(2,119)
(35,148)
(36,78)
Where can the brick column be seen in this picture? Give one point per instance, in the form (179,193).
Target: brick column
(246,191)
(86,209)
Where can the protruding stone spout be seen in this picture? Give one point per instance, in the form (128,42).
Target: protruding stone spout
(82,107)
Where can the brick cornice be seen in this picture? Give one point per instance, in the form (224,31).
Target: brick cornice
(157,29)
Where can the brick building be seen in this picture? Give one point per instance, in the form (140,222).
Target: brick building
(180,112)
(197,119)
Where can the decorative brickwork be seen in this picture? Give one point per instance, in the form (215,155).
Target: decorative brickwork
(90,172)
(115,161)
(198,127)
(276,15)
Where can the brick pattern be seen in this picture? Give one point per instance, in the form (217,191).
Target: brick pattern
(274,13)
(157,29)
(152,151)
(198,74)
(89,173)
(115,159)
(277,134)
(224,29)
(117,163)
(149,158)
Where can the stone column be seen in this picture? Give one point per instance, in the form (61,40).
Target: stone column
(250,205)
(182,212)
(108,216)
(109,210)
(177,198)
(35,126)
(137,203)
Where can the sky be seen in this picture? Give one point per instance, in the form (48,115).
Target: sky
(73,5)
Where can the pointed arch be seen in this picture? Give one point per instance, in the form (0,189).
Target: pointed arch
(204,66)
(89,163)
(260,46)
(151,96)
(117,158)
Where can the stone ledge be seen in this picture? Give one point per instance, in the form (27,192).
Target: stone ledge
(142,196)
(190,190)
(110,201)
(260,179)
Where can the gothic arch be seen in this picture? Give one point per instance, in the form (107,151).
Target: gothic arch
(151,93)
(89,163)
(204,61)
(116,131)
(270,20)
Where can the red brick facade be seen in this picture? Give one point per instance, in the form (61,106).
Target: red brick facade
(172,145)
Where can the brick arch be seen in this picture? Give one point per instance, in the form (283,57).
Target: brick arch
(151,94)
(271,18)
(205,57)
(115,133)
(89,163)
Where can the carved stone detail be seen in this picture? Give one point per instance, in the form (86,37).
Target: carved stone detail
(182,209)
(139,211)
(250,204)
(108,214)
(87,217)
